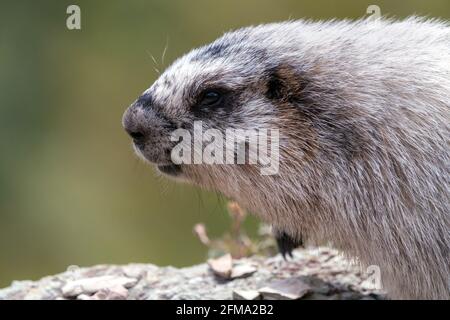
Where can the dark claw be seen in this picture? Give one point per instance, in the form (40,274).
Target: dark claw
(286,244)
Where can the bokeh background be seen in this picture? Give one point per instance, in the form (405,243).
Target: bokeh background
(71,190)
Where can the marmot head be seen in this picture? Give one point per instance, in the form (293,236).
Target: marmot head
(236,82)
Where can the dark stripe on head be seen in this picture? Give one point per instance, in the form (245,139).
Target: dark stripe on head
(211,51)
(145,100)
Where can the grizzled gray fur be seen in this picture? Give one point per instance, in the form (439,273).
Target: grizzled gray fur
(363,109)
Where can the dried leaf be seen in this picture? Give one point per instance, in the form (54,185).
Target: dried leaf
(94,284)
(200,232)
(242,271)
(236,211)
(115,293)
(222,266)
(286,289)
(246,295)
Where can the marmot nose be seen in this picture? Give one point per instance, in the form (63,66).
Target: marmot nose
(133,125)
(140,120)
(137,136)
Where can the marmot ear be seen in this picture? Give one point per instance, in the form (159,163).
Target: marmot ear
(283,83)
(275,86)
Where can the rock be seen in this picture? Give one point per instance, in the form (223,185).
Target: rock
(95,284)
(33,294)
(116,293)
(327,274)
(285,289)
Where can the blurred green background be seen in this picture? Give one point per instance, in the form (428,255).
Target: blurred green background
(71,190)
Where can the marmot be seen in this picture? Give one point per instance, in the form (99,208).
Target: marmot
(362,109)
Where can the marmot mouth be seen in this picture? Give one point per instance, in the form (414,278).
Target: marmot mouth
(170,169)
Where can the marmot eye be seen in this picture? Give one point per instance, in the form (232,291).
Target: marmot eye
(210,98)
